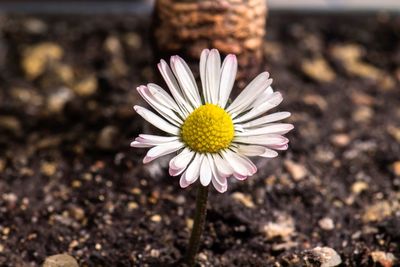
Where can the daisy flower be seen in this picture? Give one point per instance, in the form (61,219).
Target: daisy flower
(213,138)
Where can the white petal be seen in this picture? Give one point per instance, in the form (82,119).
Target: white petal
(267,119)
(156,120)
(193,171)
(279,147)
(179,163)
(205,172)
(183,182)
(240,177)
(140,145)
(213,70)
(251,167)
(276,128)
(202,68)
(145,140)
(174,87)
(162,150)
(263,97)
(221,185)
(264,140)
(165,111)
(250,93)
(186,80)
(240,164)
(274,100)
(269,153)
(163,97)
(157,139)
(251,150)
(228,75)
(222,165)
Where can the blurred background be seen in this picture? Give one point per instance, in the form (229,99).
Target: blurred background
(70,183)
(135,5)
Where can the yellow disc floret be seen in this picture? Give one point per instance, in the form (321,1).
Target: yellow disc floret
(208,129)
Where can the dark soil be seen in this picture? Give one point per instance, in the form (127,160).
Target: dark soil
(70,183)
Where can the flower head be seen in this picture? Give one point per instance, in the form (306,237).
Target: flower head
(214,139)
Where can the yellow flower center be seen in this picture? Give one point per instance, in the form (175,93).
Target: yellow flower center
(208,129)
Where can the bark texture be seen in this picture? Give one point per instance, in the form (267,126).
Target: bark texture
(231,26)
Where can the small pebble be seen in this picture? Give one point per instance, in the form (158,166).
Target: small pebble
(244,199)
(325,256)
(316,100)
(283,227)
(48,168)
(60,260)
(36,58)
(156,218)
(396,168)
(133,205)
(86,86)
(363,114)
(296,170)
(340,140)
(189,223)
(383,258)
(10,123)
(359,187)
(155,253)
(58,99)
(318,69)
(107,137)
(394,132)
(377,212)
(326,224)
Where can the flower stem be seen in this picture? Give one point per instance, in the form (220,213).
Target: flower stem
(198,225)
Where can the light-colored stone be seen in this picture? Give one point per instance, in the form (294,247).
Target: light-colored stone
(326,224)
(318,69)
(86,86)
(133,40)
(283,227)
(394,132)
(60,260)
(361,98)
(107,137)
(396,168)
(316,100)
(36,58)
(133,205)
(377,212)
(363,114)
(383,258)
(359,187)
(244,199)
(296,170)
(340,140)
(58,99)
(326,256)
(48,168)
(156,218)
(10,123)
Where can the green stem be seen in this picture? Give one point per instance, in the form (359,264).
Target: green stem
(198,225)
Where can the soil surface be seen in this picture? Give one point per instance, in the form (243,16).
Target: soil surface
(70,183)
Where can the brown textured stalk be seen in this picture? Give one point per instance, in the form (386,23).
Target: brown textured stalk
(198,225)
(231,26)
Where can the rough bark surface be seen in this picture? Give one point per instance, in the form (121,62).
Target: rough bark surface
(231,26)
